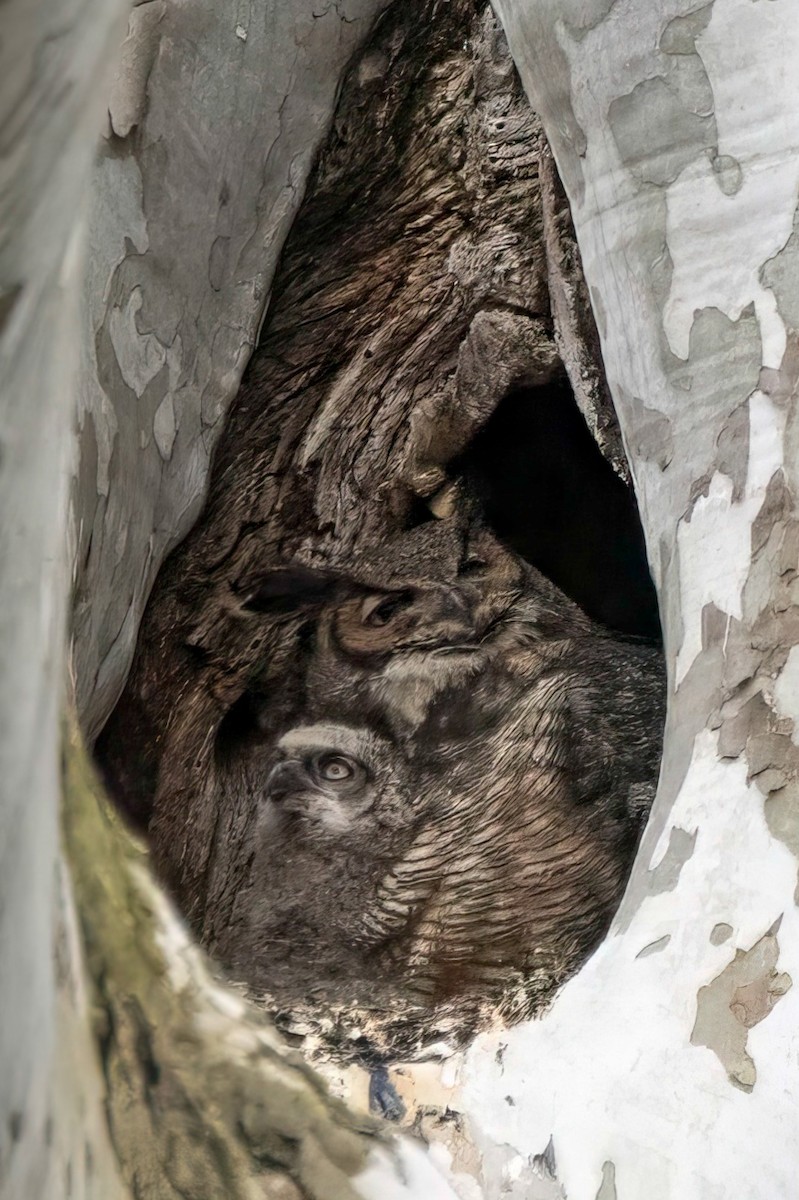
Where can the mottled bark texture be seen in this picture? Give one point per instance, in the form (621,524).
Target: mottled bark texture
(683,176)
(52,68)
(214,119)
(84,934)
(411,299)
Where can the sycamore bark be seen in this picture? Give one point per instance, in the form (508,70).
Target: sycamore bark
(681,170)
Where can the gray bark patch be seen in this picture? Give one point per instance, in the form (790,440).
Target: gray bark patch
(733,448)
(715,339)
(781,809)
(728,172)
(781,274)
(664,877)
(679,36)
(652,439)
(756,650)
(590,14)
(660,126)
(545,1163)
(164,427)
(541,1182)
(720,933)
(654,947)
(780,383)
(607,1188)
(128,99)
(739,998)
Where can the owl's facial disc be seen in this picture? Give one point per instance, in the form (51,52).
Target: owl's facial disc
(409,619)
(324,788)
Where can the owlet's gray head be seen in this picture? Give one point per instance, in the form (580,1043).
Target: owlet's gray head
(334,782)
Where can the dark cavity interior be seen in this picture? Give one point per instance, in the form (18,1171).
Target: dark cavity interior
(548,492)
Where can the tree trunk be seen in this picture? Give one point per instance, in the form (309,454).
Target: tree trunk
(679,167)
(53,1140)
(682,172)
(126,1070)
(213,125)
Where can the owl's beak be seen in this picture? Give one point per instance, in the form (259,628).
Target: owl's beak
(285,779)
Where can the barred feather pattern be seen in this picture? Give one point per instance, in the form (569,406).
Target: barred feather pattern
(523,853)
(531,751)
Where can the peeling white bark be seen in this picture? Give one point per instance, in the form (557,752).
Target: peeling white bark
(668,1067)
(741,47)
(214,121)
(51,77)
(680,163)
(409,1173)
(611,1074)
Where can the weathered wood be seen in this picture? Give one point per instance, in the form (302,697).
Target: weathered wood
(411,296)
(214,120)
(410,301)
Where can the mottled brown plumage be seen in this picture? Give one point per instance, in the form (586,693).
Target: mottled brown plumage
(337,809)
(524,742)
(534,798)
(433,635)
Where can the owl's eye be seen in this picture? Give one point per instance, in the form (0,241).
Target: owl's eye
(379,610)
(335,768)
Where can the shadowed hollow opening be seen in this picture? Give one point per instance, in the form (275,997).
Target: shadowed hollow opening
(549,493)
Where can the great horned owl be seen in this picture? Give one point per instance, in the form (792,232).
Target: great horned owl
(388,653)
(336,811)
(469,847)
(536,785)
(477,849)
(332,783)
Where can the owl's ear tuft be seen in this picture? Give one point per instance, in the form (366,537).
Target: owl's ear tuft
(288,589)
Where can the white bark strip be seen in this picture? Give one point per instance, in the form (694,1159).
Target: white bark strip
(669,1067)
(214,121)
(52,60)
